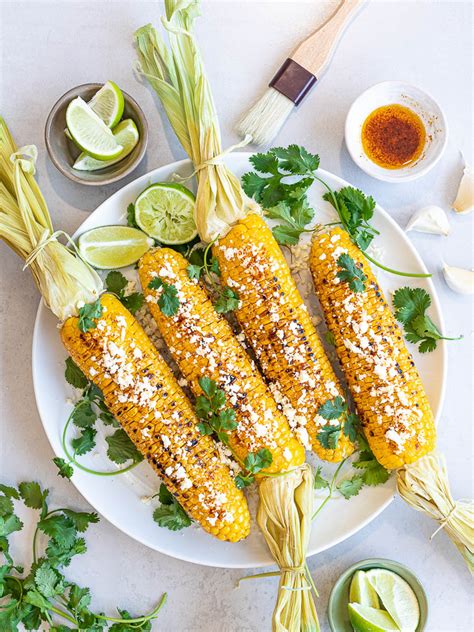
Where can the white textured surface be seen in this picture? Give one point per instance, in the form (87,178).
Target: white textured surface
(48,47)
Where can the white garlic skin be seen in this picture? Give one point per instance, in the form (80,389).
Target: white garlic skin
(464,202)
(459,280)
(429,219)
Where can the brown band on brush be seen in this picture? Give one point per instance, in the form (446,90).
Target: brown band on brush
(293,81)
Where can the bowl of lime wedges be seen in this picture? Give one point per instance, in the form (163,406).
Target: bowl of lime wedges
(96,134)
(378,595)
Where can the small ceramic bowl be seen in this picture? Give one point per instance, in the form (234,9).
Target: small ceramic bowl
(339,598)
(415,99)
(63,152)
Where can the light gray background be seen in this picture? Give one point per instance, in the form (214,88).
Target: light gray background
(49,47)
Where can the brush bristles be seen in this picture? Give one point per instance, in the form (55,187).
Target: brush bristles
(265,119)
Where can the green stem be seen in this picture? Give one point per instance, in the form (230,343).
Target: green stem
(63,614)
(83,467)
(152,615)
(397,272)
(331,489)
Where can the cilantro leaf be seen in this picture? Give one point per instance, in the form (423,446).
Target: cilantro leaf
(115,282)
(133,302)
(60,528)
(121,448)
(194,271)
(85,442)
(10,492)
(283,201)
(351,273)
(329,435)
(351,426)
(228,301)
(214,267)
(131,221)
(74,376)
(88,314)
(374,473)
(170,514)
(83,415)
(351,487)
(333,409)
(410,307)
(168,301)
(319,482)
(208,386)
(254,463)
(9,524)
(65,470)
(32,495)
(81,519)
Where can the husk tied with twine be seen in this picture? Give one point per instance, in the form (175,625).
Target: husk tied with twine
(284,517)
(425,486)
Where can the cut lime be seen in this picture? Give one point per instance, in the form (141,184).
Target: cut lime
(89,132)
(367,619)
(110,247)
(126,134)
(108,103)
(166,213)
(361,591)
(397,597)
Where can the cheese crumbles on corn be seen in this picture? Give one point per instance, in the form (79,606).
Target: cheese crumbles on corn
(380,371)
(143,395)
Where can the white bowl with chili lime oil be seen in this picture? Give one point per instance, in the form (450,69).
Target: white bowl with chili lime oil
(395,132)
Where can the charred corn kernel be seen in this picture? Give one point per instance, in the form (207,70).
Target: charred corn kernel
(380,371)
(144,396)
(279,329)
(202,343)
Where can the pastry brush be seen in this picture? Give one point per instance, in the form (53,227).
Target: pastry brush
(296,77)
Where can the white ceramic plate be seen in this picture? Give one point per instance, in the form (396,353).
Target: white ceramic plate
(120,498)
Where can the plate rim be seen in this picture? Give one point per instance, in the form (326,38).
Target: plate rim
(177,165)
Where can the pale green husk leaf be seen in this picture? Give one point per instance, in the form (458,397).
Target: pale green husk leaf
(284,517)
(176,73)
(64,279)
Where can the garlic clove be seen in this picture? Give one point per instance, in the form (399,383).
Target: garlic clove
(429,219)
(459,279)
(464,202)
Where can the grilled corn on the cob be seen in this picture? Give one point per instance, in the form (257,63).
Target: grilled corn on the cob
(142,393)
(380,371)
(278,327)
(202,344)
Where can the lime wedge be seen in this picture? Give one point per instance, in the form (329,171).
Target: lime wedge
(126,134)
(367,619)
(89,132)
(108,103)
(397,597)
(166,213)
(110,247)
(361,591)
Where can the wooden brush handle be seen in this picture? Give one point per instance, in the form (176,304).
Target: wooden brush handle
(316,50)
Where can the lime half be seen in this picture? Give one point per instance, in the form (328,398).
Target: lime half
(108,103)
(126,134)
(166,213)
(367,619)
(361,591)
(89,132)
(110,247)
(397,597)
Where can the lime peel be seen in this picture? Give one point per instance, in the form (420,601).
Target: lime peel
(367,619)
(397,597)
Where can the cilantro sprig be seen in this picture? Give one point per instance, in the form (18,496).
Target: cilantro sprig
(330,434)
(88,315)
(170,514)
(43,596)
(87,411)
(204,267)
(351,273)
(217,420)
(355,210)
(168,300)
(410,310)
(280,184)
(116,283)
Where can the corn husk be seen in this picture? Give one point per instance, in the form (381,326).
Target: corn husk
(176,73)
(284,517)
(64,279)
(425,486)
